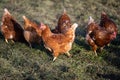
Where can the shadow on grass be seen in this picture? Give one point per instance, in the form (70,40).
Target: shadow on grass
(80,38)
(116,41)
(82,43)
(109,76)
(113,57)
(34,46)
(1,36)
(42,48)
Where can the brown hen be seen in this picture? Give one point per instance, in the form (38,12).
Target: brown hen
(31,32)
(58,43)
(64,22)
(108,24)
(10,28)
(97,36)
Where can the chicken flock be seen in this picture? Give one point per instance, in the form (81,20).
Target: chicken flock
(60,40)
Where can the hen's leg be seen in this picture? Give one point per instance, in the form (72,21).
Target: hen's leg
(30,45)
(55,54)
(68,54)
(94,49)
(6,40)
(12,41)
(101,48)
(108,44)
(54,58)
(95,53)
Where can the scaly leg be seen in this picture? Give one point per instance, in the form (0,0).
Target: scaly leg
(12,41)
(94,49)
(68,54)
(101,48)
(30,45)
(6,40)
(54,58)
(95,53)
(55,54)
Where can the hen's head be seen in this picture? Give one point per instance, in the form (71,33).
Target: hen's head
(45,30)
(103,15)
(113,35)
(42,26)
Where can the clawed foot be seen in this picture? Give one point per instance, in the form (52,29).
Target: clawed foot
(54,58)
(95,53)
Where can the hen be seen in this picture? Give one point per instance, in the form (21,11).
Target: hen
(58,43)
(108,24)
(64,22)
(97,36)
(10,28)
(31,32)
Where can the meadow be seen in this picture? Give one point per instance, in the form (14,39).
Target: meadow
(19,62)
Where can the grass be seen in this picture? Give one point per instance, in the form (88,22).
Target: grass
(19,62)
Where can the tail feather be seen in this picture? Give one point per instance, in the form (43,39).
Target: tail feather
(64,11)
(91,20)
(24,17)
(6,11)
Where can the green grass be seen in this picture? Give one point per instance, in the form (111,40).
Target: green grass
(19,62)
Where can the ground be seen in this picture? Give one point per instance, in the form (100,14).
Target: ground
(19,62)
